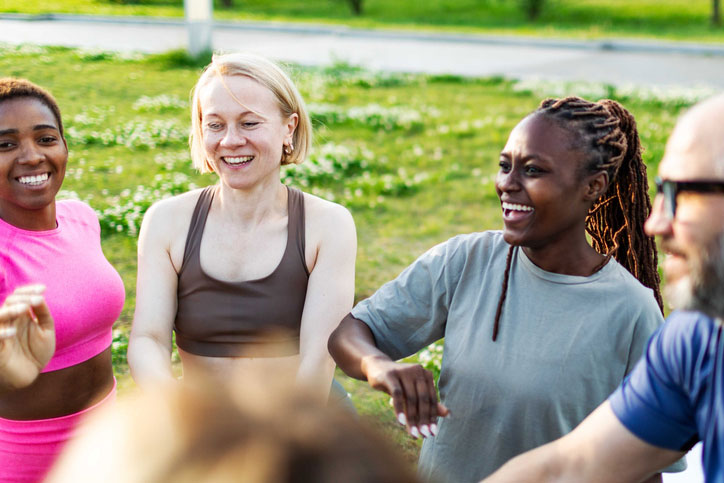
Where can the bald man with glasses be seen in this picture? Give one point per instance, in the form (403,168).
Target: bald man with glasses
(675,395)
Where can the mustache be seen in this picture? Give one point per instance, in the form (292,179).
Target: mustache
(668,245)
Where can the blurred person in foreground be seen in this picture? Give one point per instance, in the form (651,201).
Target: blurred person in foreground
(207,433)
(675,395)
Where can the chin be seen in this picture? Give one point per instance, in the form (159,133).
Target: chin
(679,294)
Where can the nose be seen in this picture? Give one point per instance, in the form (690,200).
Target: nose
(506,181)
(233,137)
(658,222)
(30,154)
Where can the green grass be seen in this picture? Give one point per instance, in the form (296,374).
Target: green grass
(411,156)
(662,19)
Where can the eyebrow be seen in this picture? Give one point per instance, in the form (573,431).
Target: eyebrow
(39,127)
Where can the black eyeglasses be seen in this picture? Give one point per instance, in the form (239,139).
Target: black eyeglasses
(671,188)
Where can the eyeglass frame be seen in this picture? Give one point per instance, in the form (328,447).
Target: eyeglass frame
(671,189)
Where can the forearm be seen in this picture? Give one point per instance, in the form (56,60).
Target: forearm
(352,347)
(539,465)
(315,373)
(149,361)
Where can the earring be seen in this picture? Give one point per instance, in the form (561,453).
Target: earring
(288,148)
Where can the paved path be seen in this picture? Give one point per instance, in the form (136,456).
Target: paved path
(615,62)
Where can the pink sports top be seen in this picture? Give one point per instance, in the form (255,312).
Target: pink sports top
(83,291)
(256,318)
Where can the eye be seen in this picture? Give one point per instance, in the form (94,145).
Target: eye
(214,126)
(6,145)
(250,124)
(504,166)
(48,140)
(532,169)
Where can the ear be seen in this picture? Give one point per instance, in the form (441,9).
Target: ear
(291,124)
(595,186)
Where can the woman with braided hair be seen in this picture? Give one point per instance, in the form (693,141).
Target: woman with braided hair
(539,326)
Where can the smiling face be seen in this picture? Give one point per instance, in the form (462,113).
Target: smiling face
(33,157)
(539,184)
(244,133)
(694,240)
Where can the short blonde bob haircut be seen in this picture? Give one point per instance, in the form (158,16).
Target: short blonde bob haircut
(271,76)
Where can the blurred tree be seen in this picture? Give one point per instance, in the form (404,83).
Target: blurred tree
(716,13)
(227,3)
(532,8)
(356,6)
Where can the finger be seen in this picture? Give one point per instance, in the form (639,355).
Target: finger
(12,310)
(434,404)
(398,400)
(42,314)
(442,410)
(35,289)
(423,405)
(410,399)
(7,332)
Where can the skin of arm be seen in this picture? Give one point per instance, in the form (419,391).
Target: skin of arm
(150,343)
(330,290)
(599,450)
(412,388)
(27,337)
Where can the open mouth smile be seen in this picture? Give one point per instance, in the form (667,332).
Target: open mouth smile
(237,160)
(515,211)
(34,180)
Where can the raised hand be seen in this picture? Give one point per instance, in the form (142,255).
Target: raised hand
(27,337)
(413,394)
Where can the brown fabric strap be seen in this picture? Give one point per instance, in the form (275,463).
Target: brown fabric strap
(198,222)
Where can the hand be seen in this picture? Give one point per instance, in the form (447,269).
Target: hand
(413,392)
(27,337)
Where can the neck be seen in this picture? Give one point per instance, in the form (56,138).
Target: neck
(251,207)
(35,220)
(573,257)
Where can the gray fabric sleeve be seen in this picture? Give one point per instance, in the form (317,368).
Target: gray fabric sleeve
(411,311)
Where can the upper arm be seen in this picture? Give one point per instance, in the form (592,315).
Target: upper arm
(330,290)
(157,278)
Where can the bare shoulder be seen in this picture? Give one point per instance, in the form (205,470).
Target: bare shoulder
(324,217)
(168,220)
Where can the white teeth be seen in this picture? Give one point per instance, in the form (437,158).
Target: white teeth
(34,180)
(238,159)
(516,207)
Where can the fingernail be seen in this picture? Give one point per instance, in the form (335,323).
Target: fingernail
(7,332)
(414,432)
(425,431)
(402,419)
(433,429)
(36,300)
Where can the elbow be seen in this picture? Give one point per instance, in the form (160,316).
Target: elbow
(333,343)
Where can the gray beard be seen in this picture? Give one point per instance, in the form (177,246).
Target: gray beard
(703,289)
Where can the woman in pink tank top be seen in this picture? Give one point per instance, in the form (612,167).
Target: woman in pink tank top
(252,276)
(55,359)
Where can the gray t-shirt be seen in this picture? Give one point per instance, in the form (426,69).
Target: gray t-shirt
(565,343)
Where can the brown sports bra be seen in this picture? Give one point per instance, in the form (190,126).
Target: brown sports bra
(255,318)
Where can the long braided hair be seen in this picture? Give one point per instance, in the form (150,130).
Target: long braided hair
(607,133)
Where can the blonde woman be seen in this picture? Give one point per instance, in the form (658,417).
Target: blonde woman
(250,274)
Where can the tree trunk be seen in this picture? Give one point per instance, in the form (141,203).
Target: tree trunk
(533,8)
(715,13)
(227,3)
(356,7)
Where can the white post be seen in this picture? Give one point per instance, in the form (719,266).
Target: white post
(199,19)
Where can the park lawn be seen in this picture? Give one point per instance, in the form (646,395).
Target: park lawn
(412,156)
(660,19)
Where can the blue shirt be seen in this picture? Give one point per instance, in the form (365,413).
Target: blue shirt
(674,397)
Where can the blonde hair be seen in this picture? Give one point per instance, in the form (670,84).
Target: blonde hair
(271,76)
